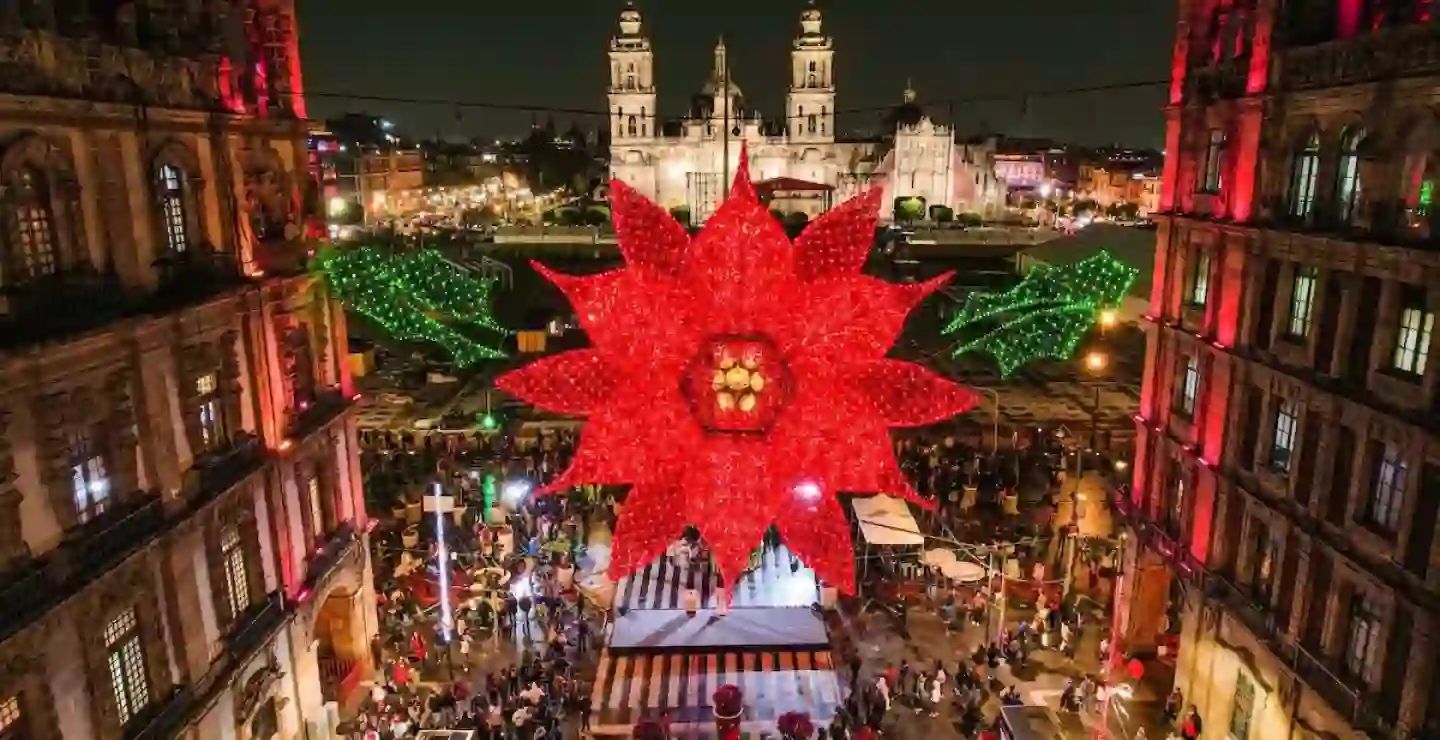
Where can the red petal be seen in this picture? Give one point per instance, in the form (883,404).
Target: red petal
(625,314)
(838,242)
(650,238)
(814,526)
(907,395)
(575,382)
(851,318)
(650,519)
(740,268)
(730,499)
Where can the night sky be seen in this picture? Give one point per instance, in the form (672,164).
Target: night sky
(553,53)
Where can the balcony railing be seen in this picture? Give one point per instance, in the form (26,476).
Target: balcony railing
(91,550)
(330,555)
(1348,697)
(190,702)
(81,299)
(1399,52)
(328,405)
(218,472)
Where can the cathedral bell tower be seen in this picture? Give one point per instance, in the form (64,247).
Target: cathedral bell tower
(810,105)
(632,80)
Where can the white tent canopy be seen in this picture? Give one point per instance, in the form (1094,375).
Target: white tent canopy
(886,520)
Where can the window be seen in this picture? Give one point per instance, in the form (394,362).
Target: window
(1244,707)
(317,508)
(1388,493)
(302,369)
(1412,340)
(631,128)
(1303,172)
(1347,176)
(1189,387)
(1214,156)
(1362,638)
(1200,279)
(237,582)
(89,481)
(1302,301)
(12,719)
(1175,512)
(1264,565)
(811,123)
(34,226)
(126,661)
(1282,452)
(211,412)
(172,208)
(823,115)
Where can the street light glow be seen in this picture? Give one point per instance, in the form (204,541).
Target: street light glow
(514,492)
(1096,361)
(1108,317)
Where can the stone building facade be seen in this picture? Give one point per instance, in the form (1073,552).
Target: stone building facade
(684,164)
(182,531)
(1288,474)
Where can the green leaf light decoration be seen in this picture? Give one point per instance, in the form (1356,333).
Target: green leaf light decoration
(1046,315)
(416,296)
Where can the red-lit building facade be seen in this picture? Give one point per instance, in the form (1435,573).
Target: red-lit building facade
(182,532)
(1288,472)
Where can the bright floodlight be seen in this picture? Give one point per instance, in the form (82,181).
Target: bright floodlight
(515,492)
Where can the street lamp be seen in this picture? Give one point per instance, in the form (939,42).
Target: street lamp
(1108,318)
(1096,361)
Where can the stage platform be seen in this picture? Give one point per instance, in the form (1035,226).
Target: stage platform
(673,629)
(629,688)
(780,581)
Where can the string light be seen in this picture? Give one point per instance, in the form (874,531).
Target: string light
(416,296)
(1047,314)
(802,317)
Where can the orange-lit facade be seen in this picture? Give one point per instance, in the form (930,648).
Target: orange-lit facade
(182,530)
(1288,472)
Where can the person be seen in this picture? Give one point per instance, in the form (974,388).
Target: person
(1193,726)
(690,600)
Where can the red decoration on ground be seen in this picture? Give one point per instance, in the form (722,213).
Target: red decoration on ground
(737,380)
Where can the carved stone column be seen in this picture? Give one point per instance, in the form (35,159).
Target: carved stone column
(232,392)
(119,425)
(56,413)
(12,541)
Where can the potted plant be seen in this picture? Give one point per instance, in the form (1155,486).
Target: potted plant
(729,708)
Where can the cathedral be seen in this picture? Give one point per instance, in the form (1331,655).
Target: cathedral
(684,163)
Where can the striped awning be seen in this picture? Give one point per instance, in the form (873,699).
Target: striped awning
(632,687)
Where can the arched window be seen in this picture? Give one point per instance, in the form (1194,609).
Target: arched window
(1347,175)
(630,127)
(810,123)
(33,225)
(1303,172)
(620,119)
(823,116)
(642,121)
(171,188)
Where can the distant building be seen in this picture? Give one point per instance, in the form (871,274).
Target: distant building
(685,163)
(392,182)
(1113,184)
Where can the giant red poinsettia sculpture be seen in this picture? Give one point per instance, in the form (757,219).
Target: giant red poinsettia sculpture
(738,380)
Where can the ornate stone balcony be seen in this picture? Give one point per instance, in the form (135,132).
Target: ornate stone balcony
(216,473)
(190,702)
(1398,52)
(33,589)
(343,544)
(83,299)
(44,63)
(328,406)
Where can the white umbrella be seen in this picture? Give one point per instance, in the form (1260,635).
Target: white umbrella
(938,557)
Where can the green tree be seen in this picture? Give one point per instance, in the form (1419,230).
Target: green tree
(909,209)
(942,214)
(1085,206)
(970,218)
(597,215)
(681,214)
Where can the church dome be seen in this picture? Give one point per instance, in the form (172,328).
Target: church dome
(713,87)
(908,113)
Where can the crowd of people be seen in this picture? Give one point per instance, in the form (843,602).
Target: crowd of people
(500,656)
(510,660)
